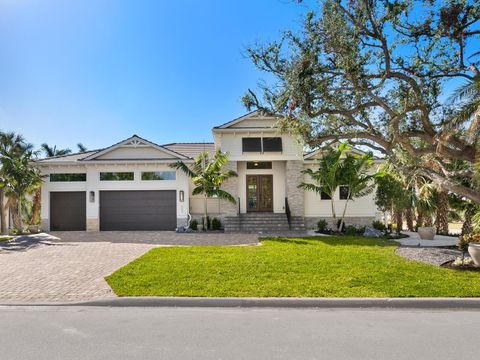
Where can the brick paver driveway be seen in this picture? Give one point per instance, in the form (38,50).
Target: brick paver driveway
(71,266)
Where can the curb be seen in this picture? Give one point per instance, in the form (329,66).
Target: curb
(298,303)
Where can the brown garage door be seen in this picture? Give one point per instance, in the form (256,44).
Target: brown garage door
(138,210)
(68,211)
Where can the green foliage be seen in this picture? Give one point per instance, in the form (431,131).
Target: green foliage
(216,224)
(322,225)
(194,225)
(466,239)
(391,193)
(350,230)
(379,225)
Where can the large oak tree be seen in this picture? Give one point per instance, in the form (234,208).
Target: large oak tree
(379,74)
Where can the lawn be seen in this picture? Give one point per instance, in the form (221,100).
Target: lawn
(280,267)
(5,238)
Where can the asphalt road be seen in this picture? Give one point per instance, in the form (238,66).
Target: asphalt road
(70,333)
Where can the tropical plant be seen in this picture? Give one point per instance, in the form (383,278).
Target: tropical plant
(376,73)
(50,151)
(327,178)
(216,224)
(81,147)
(11,145)
(19,178)
(354,174)
(194,225)
(208,174)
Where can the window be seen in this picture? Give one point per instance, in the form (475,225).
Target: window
(272,144)
(344,192)
(268,144)
(259,164)
(252,144)
(325,196)
(68,177)
(116,176)
(159,175)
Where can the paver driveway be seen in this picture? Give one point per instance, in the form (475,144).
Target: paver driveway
(72,266)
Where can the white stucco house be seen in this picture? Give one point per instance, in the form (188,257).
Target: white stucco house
(130,185)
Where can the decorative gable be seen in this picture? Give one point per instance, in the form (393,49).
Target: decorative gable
(253,120)
(135,148)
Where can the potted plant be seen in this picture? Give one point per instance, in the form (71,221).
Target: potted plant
(427,232)
(472,243)
(33,228)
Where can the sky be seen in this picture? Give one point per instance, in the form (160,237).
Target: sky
(99,71)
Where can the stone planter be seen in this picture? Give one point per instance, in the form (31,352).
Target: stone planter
(474,251)
(34,229)
(427,233)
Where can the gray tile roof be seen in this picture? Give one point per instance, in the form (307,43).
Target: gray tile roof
(191,149)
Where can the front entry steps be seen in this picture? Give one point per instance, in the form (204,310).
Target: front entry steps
(263,222)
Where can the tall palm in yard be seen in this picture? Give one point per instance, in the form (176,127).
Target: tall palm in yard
(50,151)
(17,177)
(208,175)
(326,179)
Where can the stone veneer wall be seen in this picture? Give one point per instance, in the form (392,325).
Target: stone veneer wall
(311,221)
(295,196)
(231,186)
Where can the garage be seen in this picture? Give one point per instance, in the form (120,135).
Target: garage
(68,211)
(138,210)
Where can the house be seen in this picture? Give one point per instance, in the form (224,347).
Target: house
(130,185)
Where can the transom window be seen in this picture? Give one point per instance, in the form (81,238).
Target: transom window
(261,145)
(68,177)
(116,176)
(159,175)
(259,164)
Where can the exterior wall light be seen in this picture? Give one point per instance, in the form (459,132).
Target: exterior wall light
(92,196)
(181,196)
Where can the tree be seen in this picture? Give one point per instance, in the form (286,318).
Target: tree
(81,147)
(50,151)
(11,145)
(19,178)
(208,175)
(374,73)
(327,178)
(338,167)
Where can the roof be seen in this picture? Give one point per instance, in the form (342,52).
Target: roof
(68,157)
(191,149)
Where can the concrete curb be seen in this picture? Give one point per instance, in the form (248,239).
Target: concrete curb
(299,303)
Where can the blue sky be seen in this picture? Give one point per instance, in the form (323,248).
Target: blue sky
(98,71)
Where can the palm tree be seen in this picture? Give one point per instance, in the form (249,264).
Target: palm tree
(354,175)
(327,178)
(11,145)
(208,175)
(50,151)
(81,147)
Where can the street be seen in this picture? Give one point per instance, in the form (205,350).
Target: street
(213,333)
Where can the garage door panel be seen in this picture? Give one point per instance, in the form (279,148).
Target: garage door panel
(138,210)
(68,211)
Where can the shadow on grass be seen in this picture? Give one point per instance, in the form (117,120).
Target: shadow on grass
(333,241)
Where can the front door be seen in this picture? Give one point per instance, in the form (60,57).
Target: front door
(259,193)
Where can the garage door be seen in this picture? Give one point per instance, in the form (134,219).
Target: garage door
(138,210)
(68,211)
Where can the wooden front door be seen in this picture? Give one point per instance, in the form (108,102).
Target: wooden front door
(259,193)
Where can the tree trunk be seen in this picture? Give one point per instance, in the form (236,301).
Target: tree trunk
(442,212)
(398,220)
(205,214)
(334,214)
(420,219)
(37,201)
(467,226)
(409,219)
(16,214)
(428,221)
(342,221)
(3,213)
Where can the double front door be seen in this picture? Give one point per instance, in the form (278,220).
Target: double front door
(259,193)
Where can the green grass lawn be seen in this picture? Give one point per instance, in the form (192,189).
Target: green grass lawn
(305,267)
(5,238)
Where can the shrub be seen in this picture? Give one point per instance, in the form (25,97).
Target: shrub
(209,225)
(361,230)
(216,224)
(350,230)
(379,225)
(194,225)
(338,224)
(322,225)
(466,239)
